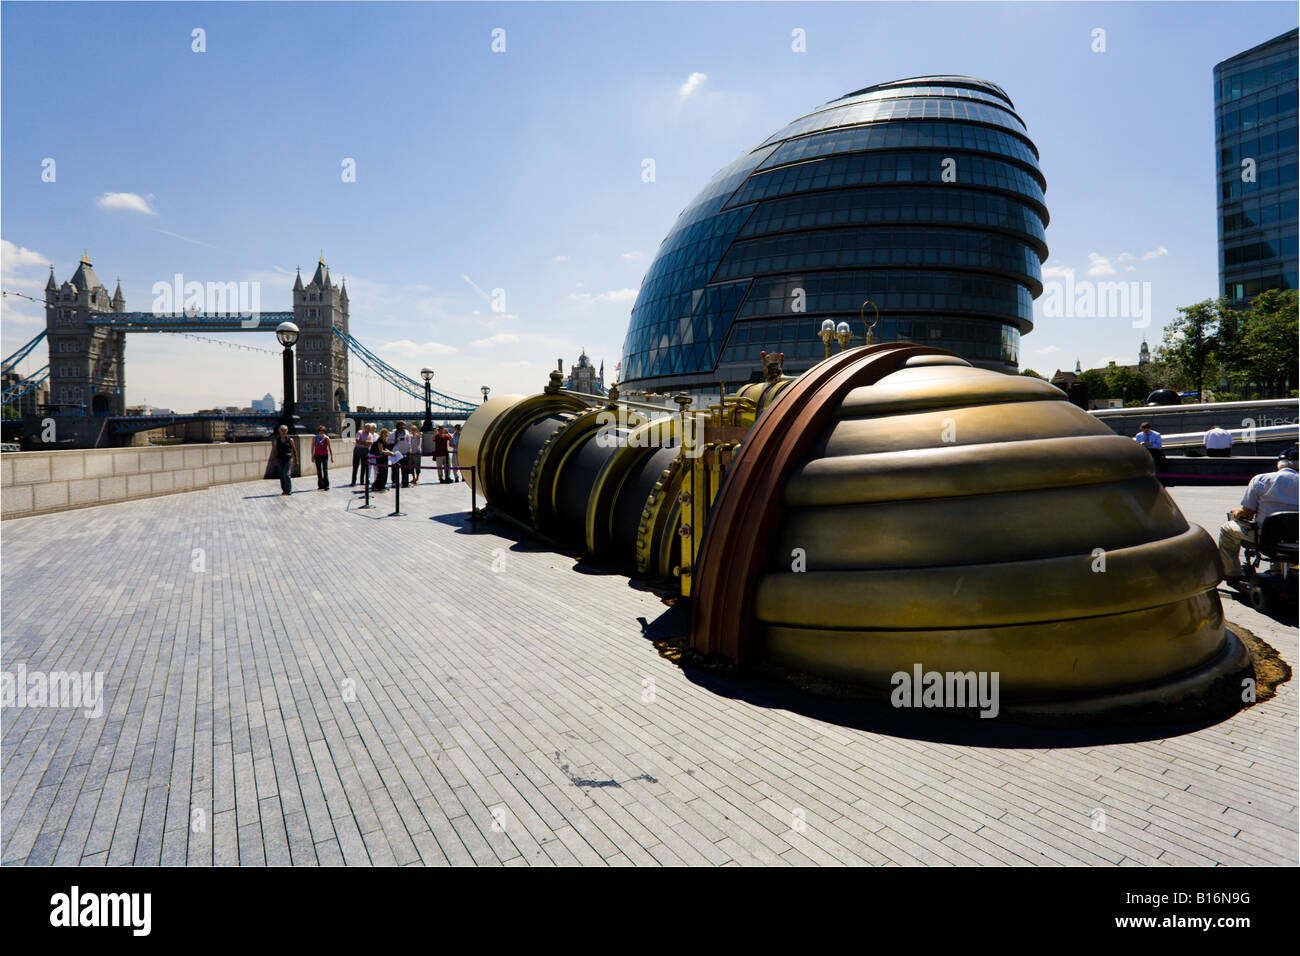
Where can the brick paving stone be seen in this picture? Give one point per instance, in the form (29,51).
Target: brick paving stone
(498,718)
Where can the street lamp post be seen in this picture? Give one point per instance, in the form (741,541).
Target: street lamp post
(287,334)
(426,430)
(427,375)
(484,389)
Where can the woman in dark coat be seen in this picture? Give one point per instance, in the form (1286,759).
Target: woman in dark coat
(380,449)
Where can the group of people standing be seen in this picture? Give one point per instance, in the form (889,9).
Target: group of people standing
(401,452)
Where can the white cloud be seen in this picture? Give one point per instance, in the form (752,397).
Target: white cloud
(692,85)
(501,338)
(615,296)
(1049,350)
(413,351)
(618,295)
(21,266)
(1058,272)
(559,258)
(1100,265)
(131,202)
(12,318)
(631,256)
(1154,254)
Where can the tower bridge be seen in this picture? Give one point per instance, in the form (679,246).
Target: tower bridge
(86,329)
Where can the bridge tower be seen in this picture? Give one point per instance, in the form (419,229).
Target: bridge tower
(87,363)
(319,307)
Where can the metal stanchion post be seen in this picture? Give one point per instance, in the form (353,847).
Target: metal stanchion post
(371,462)
(397,496)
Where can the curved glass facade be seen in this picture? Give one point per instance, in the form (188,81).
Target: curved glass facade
(923,196)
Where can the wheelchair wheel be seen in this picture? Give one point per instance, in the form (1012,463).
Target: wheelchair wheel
(1260,598)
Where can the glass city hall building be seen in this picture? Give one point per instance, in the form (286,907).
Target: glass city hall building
(921,197)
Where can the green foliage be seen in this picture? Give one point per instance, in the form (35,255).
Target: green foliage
(1270,340)
(1126,383)
(1253,351)
(1095,379)
(1190,339)
(1030,373)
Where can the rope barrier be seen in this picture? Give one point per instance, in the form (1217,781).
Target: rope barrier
(373,465)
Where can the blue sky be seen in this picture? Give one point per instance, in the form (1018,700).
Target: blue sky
(521,170)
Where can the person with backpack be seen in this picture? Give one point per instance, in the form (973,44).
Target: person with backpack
(322,453)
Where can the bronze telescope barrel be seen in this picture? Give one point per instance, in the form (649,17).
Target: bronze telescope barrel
(579,474)
(892,507)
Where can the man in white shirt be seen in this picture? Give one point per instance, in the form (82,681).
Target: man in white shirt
(1218,442)
(1266,495)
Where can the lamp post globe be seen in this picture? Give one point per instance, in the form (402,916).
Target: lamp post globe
(287,334)
(427,375)
(843,332)
(826,334)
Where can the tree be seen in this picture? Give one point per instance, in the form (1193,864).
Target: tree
(1230,349)
(1126,383)
(1030,373)
(1190,340)
(1270,340)
(1098,388)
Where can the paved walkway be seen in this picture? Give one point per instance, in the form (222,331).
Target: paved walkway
(294,680)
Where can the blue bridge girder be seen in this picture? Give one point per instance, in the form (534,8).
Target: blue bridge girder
(22,353)
(126,424)
(183,322)
(17,390)
(415,418)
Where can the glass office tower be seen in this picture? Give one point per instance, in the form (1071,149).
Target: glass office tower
(1255,128)
(923,196)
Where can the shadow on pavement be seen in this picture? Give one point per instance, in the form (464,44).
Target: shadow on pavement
(762,689)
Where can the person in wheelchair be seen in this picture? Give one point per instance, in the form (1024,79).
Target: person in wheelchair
(1267,494)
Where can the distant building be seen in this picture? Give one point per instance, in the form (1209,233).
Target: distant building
(583,377)
(87,367)
(1255,113)
(266,403)
(319,308)
(32,399)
